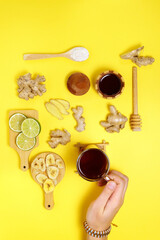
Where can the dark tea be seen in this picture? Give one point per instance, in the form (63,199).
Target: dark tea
(92,164)
(109,84)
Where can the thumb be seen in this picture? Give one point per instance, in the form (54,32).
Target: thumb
(101,201)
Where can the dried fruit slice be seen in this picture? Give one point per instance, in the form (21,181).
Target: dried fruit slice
(24,143)
(48,185)
(59,163)
(15,121)
(35,164)
(65,103)
(60,106)
(30,127)
(52,172)
(39,164)
(41,178)
(42,165)
(50,160)
(53,110)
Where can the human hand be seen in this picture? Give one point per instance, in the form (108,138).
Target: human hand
(102,211)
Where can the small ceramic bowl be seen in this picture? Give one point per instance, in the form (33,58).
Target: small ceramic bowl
(78,84)
(109,84)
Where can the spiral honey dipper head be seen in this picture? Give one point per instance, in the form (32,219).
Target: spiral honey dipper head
(135,120)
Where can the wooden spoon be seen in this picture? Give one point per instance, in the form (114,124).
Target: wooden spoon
(49,202)
(77,54)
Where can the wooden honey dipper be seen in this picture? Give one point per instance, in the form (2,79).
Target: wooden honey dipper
(135,120)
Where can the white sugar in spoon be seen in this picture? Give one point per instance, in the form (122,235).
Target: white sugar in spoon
(77,54)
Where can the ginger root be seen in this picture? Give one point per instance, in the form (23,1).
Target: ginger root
(28,87)
(138,60)
(142,61)
(115,121)
(59,137)
(77,113)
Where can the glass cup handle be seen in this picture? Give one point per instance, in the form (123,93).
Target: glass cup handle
(107,178)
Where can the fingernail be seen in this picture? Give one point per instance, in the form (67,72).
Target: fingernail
(107,178)
(111,185)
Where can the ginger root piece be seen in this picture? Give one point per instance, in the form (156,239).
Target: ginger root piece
(59,137)
(28,87)
(60,106)
(138,60)
(65,103)
(57,107)
(77,113)
(133,53)
(115,121)
(142,61)
(53,110)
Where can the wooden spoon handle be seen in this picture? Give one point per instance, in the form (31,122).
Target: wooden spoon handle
(41,56)
(49,202)
(134,89)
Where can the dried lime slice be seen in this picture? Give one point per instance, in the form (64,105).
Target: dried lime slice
(25,143)
(30,127)
(15,121)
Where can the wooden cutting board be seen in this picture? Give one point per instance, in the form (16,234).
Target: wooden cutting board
(48,197)
(24,155)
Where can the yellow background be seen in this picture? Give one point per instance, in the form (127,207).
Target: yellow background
(107,29)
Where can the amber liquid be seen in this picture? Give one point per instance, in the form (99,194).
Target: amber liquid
(110,84)
(92,164)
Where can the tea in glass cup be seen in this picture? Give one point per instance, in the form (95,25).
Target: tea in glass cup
(93,164)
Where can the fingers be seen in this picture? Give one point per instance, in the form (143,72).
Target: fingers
(114,199)
(102,182)
(122,178)
(108,190)
(117,198)
(120,174)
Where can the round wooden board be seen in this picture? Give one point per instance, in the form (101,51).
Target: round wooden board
(49,203)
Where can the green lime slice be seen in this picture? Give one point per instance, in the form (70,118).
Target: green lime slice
(30,127)
(15,121)
(25,143)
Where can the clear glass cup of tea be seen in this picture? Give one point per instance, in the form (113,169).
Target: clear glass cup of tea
(93,164)
(109,84)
